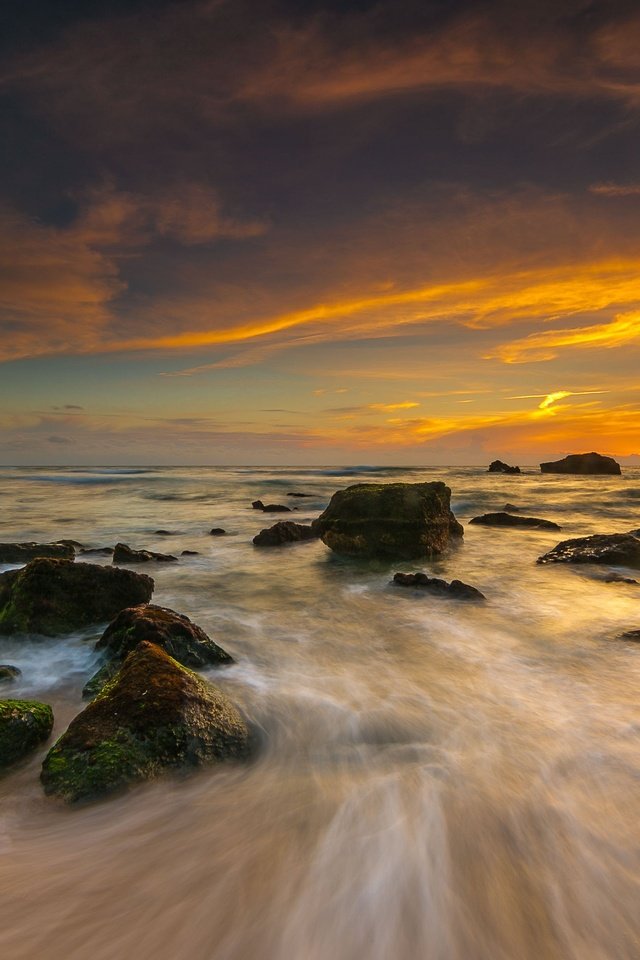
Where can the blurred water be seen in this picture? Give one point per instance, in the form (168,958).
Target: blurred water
(438,781)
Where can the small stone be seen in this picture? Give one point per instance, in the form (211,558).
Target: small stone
(125,554)
(218,532)
(507,520)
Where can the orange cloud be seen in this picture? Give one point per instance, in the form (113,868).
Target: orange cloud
(625,328)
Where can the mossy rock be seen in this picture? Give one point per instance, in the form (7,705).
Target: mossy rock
(152,716)
(23,725)
(398,521)
(23,552)
(57,596)
(182,639)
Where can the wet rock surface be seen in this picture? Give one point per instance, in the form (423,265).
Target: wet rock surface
(616,549)
(23,725)
(24,552)
(456,589)
(123,553)
(285,531)
(508,520)
(583,463)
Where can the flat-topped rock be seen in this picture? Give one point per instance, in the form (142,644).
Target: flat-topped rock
(122,553)
(50,597)
(457,590)
(583,463)
(509,520)
(499,466)
(152,716)
(617,549)
(24,724)
(285,531)
(23,552)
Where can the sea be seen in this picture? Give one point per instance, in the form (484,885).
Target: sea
(435,780)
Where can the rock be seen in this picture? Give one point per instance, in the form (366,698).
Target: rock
(300,494)
(8,673)
(176,634)
(456,589)
(507,520)
(631,635)
(153,715)
(634,533)
(618,549)
(23,552)
(258,505)
(586,463)
(97,551)
(74,544)
(218,532)
(124,554)
(511,508)
(285,531)
(165,533)
(618,579)
(270,507)
(23,725)
(392,520)
(190,553)
(57,596)
(499,466)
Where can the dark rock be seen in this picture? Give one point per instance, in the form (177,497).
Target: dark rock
(124,554)
(57,596)
(218,532)
(499,466)
(165,533)
(507,520)
(270,507)
(631,635)
(585,463)
(394,520)
(618,579)
(300,494)
(176,634)
(8,673)
(97,551)
(285,531)
(74,544)
(153,715)
(190,553)
(618,549)
(23,552)
(456,589)
(635,533)
(511,508)
(258,505)
(23,725)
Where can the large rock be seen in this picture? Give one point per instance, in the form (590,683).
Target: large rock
(499,466)
(618,549)
(23,552)
(508,520)
(154,715)
(176,634)
(58,596)
(585,463)
(122,553)
(23,725)
(285,531)
(457,590)
(389,520)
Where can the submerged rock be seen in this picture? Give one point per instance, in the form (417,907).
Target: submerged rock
(190,553)
(618,549)
(456,589)
(23,725)
(285,531)
(97,551)
(165,533)
(270,507)
(122,553)
(631,635)
(9,673)
(507,520)
(300,494)
(23,552)
(218,532)
(499,466)
(175,633)
(584,463)
(58,596)
(153,715)
(395,520)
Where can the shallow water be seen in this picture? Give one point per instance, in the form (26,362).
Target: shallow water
(437,780)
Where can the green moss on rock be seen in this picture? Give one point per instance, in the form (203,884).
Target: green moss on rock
(153,715)
(23,725)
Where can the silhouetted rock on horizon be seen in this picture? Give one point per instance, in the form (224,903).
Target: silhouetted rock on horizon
(285,531)
(456,589)
(122,553)
(583,463)
(499,466)
(617,549)
(24,724)
(399,521)
(24,552)
(508,520)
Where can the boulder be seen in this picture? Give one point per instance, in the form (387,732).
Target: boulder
(175,633)
(152,716)
(23,725)
(389,520)
(499,466)
(57,596)
(218,532)
(23,552)
(457,590)
(584,463)
(285,531)
(617,549)
(8,673)
(508,520)
(122,553)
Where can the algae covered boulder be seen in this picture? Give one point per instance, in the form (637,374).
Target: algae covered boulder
(178,636)
(23,725)
(23,552)
(154,715)
(56,596)
(583,463)
(389,520)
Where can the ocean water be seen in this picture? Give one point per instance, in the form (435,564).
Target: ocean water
(437,781)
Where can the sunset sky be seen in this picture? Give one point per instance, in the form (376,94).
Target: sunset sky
(403,232)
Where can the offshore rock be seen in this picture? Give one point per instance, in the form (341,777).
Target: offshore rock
(499,466)
(23,552)
(632,636)
(9,673)
(583,463)
(218,532)
(456,589)
(154,715)
(398,521)
(618,549)
(270,507)
(57,596)
(97,551)
(507,520)
(285,531)
(23,725)
(175,633)
(122,553)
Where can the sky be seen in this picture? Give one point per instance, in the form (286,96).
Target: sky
(298,232)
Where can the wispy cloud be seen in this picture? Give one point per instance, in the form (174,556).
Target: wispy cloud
(624,329)
(611,189)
